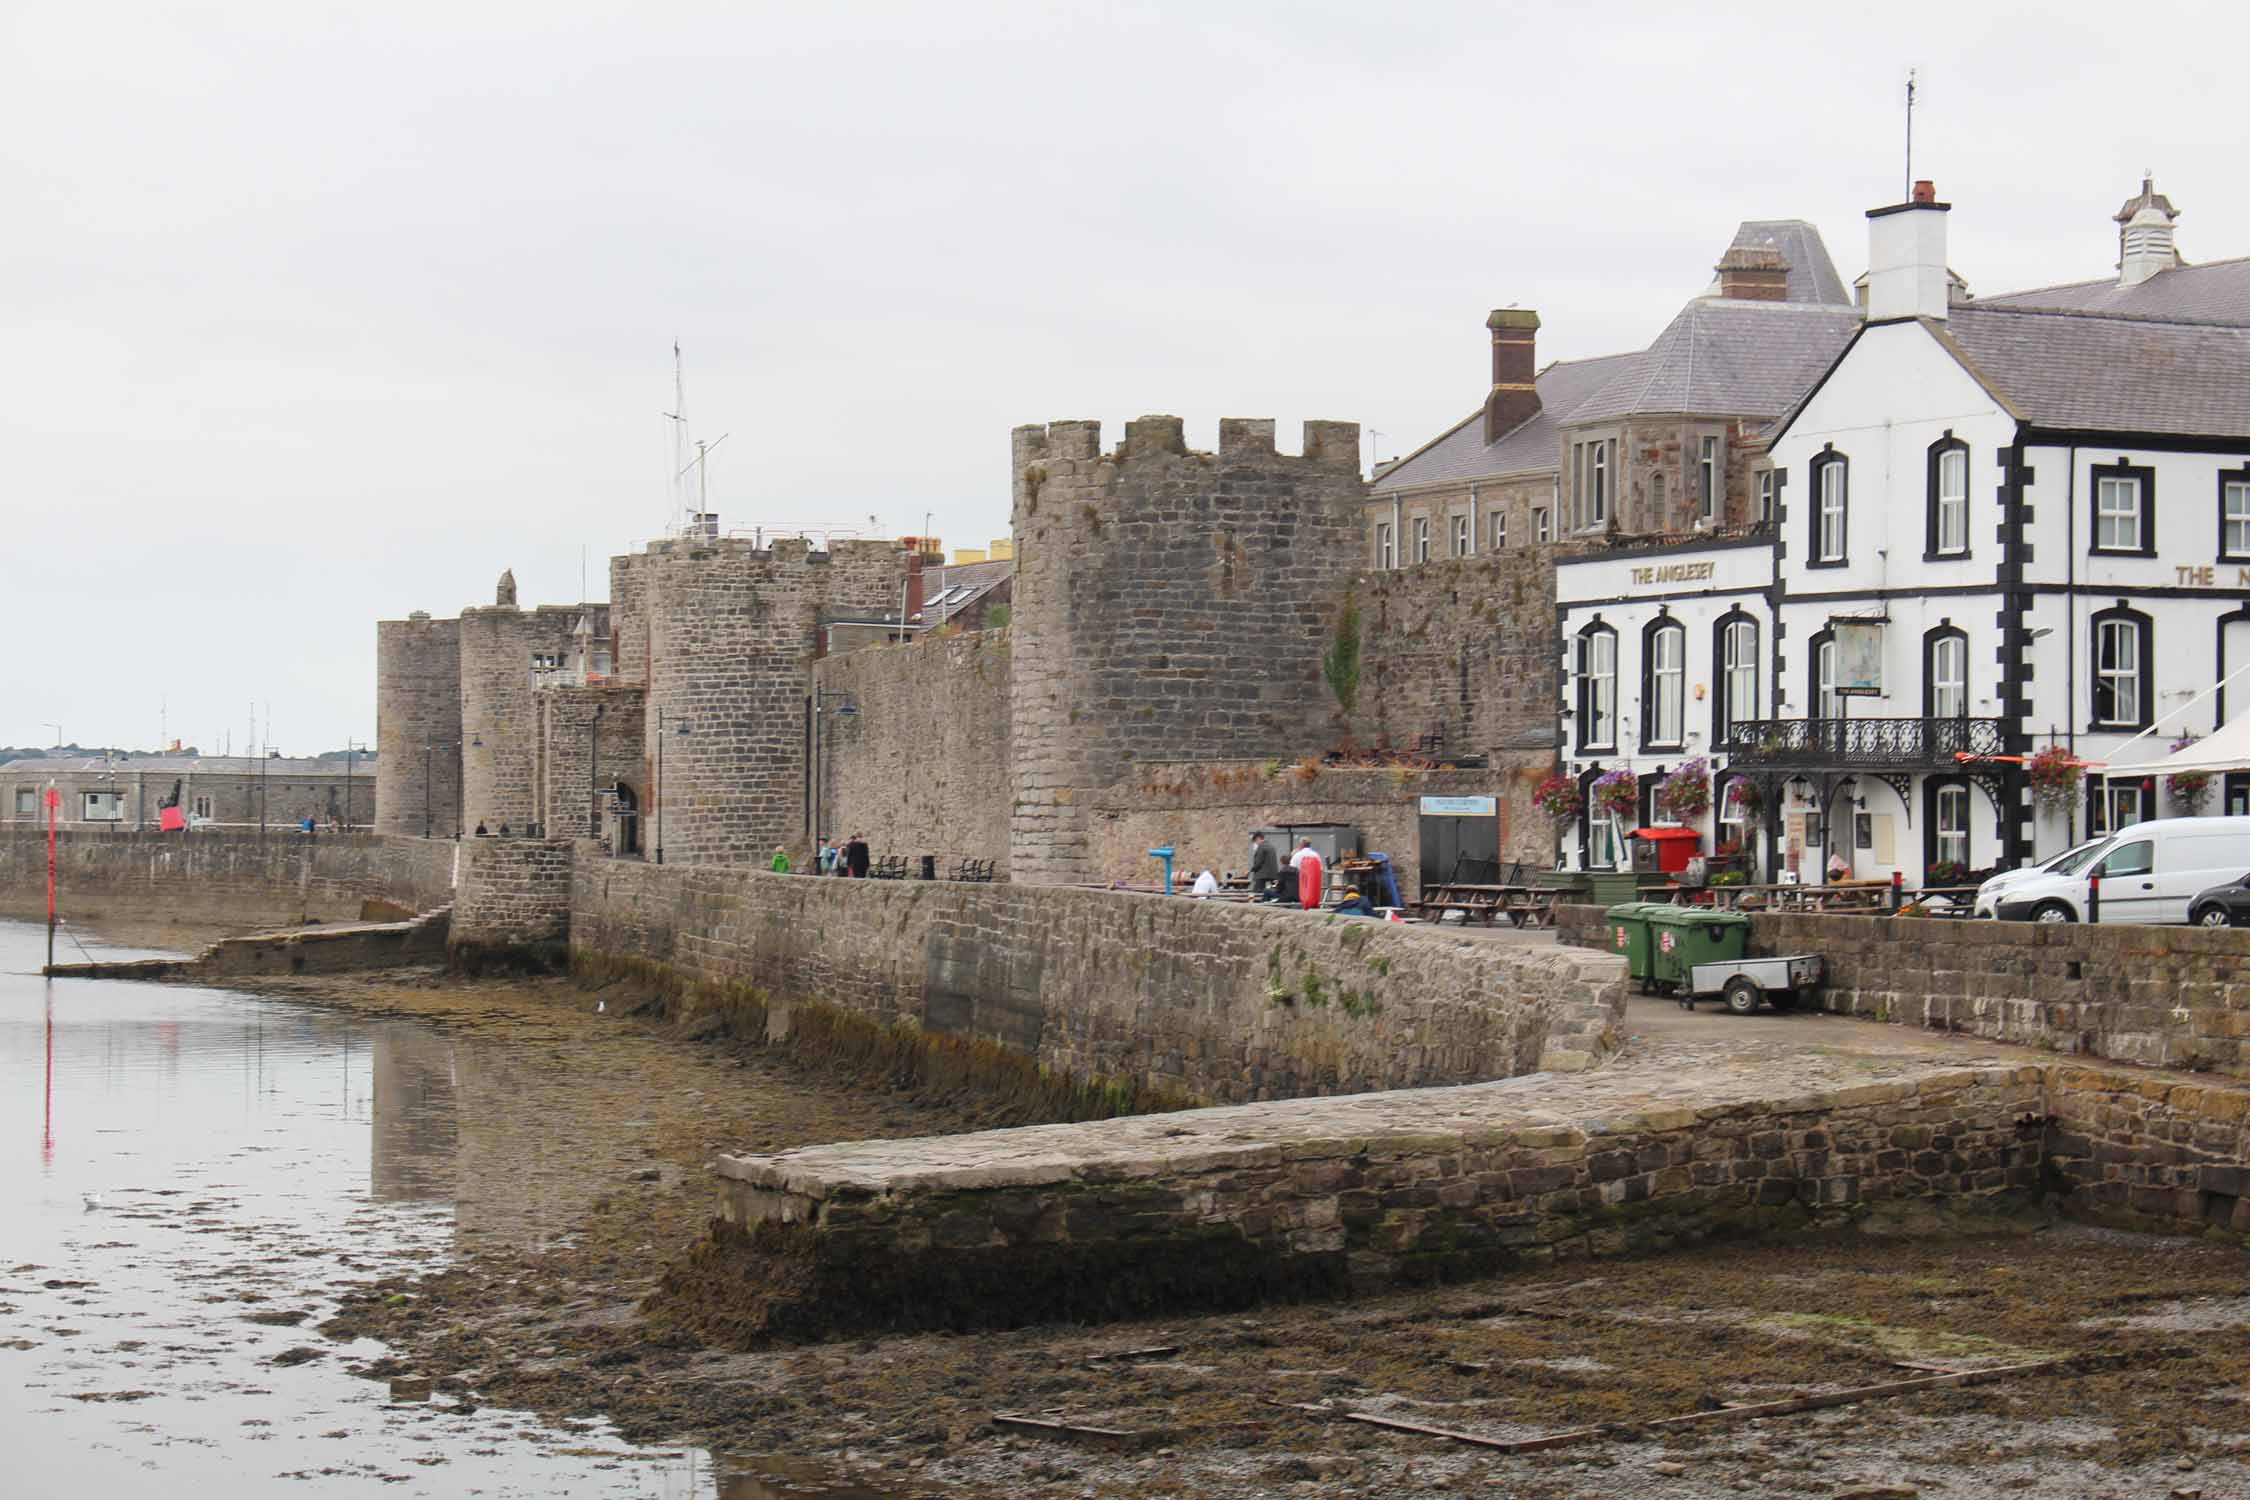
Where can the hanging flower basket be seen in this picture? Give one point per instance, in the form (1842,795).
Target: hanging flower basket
(2055,775)
(2188,789)
(1685,795)
(1559,798)
(1617,794)
(1744,798)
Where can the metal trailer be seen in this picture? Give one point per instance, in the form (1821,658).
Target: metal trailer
(1742,982)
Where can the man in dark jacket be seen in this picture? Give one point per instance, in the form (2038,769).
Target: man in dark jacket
(1265,865)
(855,857)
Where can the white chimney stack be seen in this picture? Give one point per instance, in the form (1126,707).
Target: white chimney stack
(1906,275)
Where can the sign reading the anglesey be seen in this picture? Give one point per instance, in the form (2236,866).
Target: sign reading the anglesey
(1679,572)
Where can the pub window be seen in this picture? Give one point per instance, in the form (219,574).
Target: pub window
(1460,536)
(1707,478)
(1597,688)
(1945,675)
(1831,509)
(2234,519)
(2124,495)
(1664,685)
(1386,552)
(1950,826)
(1949,497)
(1734,818)
(1737,674)
(1421,539)
(2123,650)
(1822,698)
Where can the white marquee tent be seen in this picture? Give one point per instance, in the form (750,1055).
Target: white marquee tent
(2228,749)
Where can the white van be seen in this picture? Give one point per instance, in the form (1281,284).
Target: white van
(2149,872)
(2066,863)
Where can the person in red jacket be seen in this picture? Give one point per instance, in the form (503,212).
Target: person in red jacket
(1311,876)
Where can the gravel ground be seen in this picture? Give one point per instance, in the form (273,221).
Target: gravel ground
(585,1127)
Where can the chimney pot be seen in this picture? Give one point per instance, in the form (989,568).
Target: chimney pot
(1925,191)
(1514,398)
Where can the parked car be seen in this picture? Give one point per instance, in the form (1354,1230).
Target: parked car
(1987,902)
(2222,905)
(2150,872)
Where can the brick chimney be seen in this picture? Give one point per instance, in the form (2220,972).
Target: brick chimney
(1906,274)
(1514,399)
(1753,273)
(913,585)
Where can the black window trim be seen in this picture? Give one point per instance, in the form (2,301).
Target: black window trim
(1665,620)
(2219,649)
(1592,628)
(1821,461)
(2219,498)
(1721,719)
(1944,630)
(1825,636)
(2146,475)
(1931,552)
(2146,666)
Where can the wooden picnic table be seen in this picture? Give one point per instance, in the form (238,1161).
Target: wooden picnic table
(1522,905)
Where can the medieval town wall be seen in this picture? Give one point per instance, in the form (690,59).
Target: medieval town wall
(417,716)
(921,764)
(733,629)
(1171,603)
(231,878)
(498,725)
(589,738)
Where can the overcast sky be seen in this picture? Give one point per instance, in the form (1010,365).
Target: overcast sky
(312,319)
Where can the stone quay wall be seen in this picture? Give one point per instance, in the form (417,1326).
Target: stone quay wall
(2147,1150)
(514,895)
(417,708)
(922,766)
(499,724)
(1323,1197)
(1173,604)
(237,877)
(1165,995)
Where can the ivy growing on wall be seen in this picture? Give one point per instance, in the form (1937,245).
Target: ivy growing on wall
(1340,663)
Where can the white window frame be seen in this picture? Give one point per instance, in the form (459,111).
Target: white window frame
(1952,839)
(1499,530)
(1738,653)
(1833,499)
(1598,510)
(2118,806)
(1827,703)
(1707,473)
(1730,814)
(1952,502)
(1421,539)
(1601,694)
(1577,485)
(1539,526)
(1949,676)
(1766,492)
(1461,536)
(2118,513)
(1667,680)
(2234,518)
(2123,680)
(1386,556)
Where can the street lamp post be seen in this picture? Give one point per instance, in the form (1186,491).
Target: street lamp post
(658,799)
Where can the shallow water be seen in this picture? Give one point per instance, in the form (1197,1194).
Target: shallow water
(190,1176)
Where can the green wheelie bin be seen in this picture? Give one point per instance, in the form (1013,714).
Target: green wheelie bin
(1680,937)
(1629,935)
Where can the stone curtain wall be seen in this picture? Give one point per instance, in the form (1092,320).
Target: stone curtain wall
(1205,811)
(922,767)
(499,726)
(514,894)
(1219,1002)
(417,703)
(2148,1152)
(1323,1197)
(733,633)
(568,733)
(222,876)
(1171,604)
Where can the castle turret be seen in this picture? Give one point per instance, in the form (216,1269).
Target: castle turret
(504,596)
(418,725)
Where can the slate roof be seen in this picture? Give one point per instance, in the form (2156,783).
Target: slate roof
(978,579)
(2062,368)
(1729,358)
(1812,275)
(1460,452)
(2216,292)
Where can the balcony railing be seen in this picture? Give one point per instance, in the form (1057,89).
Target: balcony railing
(1935,744)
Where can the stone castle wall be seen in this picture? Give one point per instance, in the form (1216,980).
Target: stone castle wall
(514,894)
(922,766)
(1168,995)
(732,633)
(1172,604)
(417,705)
(226,877)
(588,737)
(498,726)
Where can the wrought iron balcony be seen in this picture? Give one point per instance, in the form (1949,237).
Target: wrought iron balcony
(1874,744)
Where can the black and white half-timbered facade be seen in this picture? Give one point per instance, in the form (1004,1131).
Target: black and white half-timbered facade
(2000,525)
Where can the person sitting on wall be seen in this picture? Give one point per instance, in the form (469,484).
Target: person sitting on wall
(1310,875)
(780,860)
(855,856)
(1354,905)
(306,823)
(482,831)
(1839,868)
(1265,865)
(503,830)
(1206,884)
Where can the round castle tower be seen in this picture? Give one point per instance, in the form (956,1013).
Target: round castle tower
(1169,604)
(501,649)
(417,725)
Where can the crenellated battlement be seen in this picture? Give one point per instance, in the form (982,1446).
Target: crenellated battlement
(1241,440)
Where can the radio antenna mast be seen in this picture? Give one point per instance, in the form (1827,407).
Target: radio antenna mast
(678,418)
(1910,72)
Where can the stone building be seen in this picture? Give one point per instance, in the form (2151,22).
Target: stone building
(229,791)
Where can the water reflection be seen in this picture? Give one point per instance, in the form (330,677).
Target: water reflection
(417,1123)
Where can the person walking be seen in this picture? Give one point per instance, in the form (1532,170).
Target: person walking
(780,860)
(825,861)
(1311,874)
(1265,865)
(855,856)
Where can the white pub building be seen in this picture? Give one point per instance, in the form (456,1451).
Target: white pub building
(2000,524)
